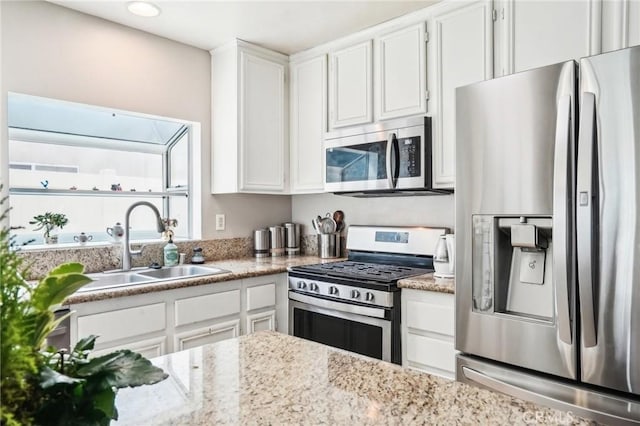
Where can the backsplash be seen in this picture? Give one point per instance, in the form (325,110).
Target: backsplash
(104,258)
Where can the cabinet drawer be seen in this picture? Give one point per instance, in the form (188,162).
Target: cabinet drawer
(431,352)
(203,336)
(261,296)
(436,317)
(123,323)
(202,308)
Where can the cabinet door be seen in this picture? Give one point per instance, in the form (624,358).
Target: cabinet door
(205,335)
(400,77)
(308,124)
(261,321)
(350,86)
(262,124)
(132,323)
(460,53)
(620,24)
(427,332)
(148,348)
(539,33)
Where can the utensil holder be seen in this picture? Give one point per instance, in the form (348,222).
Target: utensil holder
(329,245)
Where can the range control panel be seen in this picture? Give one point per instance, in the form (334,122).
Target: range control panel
(342,292)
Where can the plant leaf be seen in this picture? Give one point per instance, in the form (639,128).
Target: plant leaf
(49,378)
(85,344)
(68,268)
(53,289)
(121,369)
(105,401)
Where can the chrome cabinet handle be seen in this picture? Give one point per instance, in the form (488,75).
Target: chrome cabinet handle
(562,216)
(587,210)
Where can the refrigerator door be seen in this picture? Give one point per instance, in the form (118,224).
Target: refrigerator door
(515,283)
(608,219)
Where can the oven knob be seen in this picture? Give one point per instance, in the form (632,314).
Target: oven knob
(313,287)
(333,290)
(302,285)
(355,294)
(369,297)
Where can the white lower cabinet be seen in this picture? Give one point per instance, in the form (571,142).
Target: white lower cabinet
(162,322)
(148,348)
(204,335)
(428,323)
(261,321)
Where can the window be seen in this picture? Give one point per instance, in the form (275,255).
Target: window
(91,164)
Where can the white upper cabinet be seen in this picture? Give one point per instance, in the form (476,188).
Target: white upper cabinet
(537,33)
(400,73)
(249,123)
(620,24)
(350,86)
(460,52)
(308,118)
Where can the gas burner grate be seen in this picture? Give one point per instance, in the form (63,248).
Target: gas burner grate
(362,270)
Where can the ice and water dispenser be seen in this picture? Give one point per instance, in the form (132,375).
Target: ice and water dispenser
(512,266)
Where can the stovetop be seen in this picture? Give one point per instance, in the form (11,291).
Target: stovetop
(361,271)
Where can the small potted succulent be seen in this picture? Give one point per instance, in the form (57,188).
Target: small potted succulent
(49,222)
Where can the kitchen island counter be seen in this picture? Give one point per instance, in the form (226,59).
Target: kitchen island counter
(272,378)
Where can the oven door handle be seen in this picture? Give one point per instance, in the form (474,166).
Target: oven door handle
(338,306)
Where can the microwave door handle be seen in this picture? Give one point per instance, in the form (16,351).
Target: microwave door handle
(562,203)
(587,211)
(396,159)
(389,167)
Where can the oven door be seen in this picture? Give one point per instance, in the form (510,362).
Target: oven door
(360,329)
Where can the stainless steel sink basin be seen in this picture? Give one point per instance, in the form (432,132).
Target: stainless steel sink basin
(182,271)
(104,281)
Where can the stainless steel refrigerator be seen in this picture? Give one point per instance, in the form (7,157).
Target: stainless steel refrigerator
(548,235)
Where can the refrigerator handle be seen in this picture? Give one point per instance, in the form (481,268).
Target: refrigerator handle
(562,199)
(587,209)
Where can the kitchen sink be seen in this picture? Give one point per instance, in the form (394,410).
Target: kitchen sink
(182,271)
(102,281)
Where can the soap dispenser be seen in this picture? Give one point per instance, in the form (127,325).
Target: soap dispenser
(171,254)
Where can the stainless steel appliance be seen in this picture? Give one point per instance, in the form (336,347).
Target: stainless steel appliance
(383,159)
(355,304)
(548,225)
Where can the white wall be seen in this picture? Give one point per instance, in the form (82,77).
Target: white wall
(435,210)
(51,51)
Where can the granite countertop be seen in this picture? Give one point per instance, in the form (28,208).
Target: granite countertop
(272,378)
(239,269)
(429,283)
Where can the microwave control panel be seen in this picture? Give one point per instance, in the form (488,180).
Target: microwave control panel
(410,156)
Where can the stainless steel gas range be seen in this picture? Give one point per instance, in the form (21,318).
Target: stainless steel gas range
(355,304)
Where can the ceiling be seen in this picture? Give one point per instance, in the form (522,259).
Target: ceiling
(284,26)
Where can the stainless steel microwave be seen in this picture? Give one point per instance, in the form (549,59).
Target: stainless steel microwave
(389,158)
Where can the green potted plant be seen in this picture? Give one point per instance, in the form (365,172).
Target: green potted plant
(49,222)
(41,385)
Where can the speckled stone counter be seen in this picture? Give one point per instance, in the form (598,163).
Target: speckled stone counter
(429,283)
(238,269)
(272,378)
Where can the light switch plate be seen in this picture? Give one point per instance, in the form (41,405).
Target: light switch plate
(532,267)
(220,222)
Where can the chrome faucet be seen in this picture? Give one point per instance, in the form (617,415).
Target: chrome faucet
(127,253)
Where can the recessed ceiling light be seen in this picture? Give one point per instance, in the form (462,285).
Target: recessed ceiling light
(142,8)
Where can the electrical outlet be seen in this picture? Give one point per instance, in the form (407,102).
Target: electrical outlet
(220,222)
